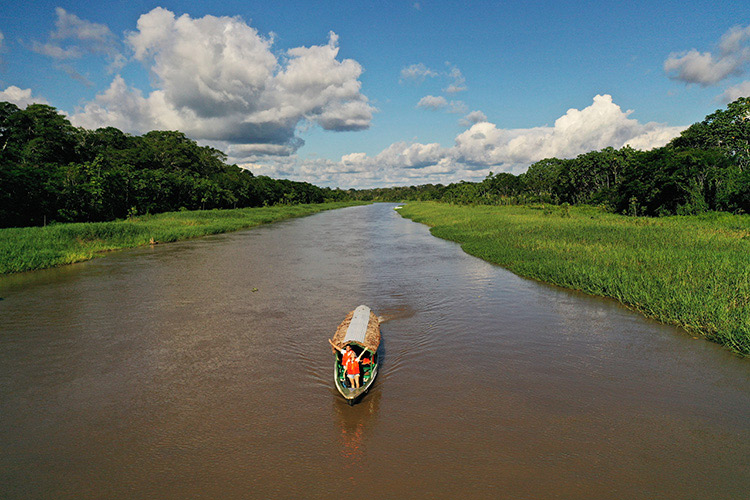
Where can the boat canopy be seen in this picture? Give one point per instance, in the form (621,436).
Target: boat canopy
(361,327)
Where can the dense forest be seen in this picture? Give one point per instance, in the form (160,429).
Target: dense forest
(706,168)
(51,171)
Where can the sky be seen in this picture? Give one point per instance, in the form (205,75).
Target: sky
(361,94)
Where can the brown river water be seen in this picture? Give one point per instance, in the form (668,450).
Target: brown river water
(160,373)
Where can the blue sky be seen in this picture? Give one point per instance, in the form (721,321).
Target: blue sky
(364,93)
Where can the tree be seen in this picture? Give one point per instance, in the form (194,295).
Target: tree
(497,187)
(541,177)
(668,181)
(726,130)
(41,135)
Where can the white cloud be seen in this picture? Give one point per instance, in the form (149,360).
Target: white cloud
(439,102)
(416,73)
(124,108)
(735,92)
(432,102)
(458,83)
(56,51)
(74,38)
(732,41)
(472,118)
(217,79)
(86,36)
(600,125)
(485,147)
(20,97)
(705,68)
(458,107)
(98,36)
(414,155)
(701,67)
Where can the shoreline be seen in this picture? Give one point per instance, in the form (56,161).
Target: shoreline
(692,272)
(34,248)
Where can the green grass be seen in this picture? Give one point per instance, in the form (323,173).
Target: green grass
(693,272)
(30,248)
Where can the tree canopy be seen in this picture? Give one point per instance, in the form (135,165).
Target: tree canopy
(53,171)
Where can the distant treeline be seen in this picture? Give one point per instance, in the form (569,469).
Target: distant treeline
(51,171)
(706,168)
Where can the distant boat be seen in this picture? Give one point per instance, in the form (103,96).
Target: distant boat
(360,330)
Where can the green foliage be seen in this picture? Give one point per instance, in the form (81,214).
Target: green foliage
(688,181)
(565,210)
(688,271)
(52,171)
(725,130)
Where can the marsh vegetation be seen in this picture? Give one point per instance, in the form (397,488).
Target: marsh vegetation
(29,248)
(690,271)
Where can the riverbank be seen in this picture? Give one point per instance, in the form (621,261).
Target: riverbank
(31,248)
(693,272)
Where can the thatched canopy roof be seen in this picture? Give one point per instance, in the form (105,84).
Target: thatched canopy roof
(365,334)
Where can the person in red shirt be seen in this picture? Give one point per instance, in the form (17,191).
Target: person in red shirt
(350,361)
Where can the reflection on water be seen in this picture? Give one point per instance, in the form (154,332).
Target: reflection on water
(355,425)
(160,373)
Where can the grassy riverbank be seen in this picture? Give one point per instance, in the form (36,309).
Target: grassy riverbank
(688,271)
(30,248)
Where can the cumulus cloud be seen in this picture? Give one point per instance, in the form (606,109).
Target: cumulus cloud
(432,102)
(472,118)
(20,97)
(485,147)
(217,79)
(414,155)
(122,107)
(735,92)
(435,103)
(600,125)
(706,68)
(701,67)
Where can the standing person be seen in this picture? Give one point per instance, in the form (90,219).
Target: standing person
(350,362)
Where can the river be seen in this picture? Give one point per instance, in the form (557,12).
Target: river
(200,369)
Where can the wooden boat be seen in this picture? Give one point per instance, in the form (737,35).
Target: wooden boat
(360,330)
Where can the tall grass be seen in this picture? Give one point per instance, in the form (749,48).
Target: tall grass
(688,271)
(30,248)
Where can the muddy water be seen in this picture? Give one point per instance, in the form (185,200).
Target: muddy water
(161,373)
